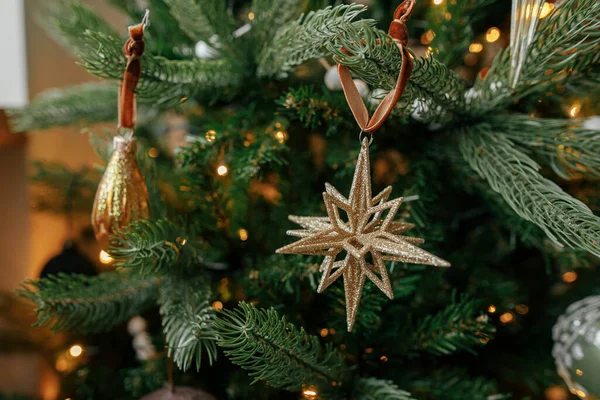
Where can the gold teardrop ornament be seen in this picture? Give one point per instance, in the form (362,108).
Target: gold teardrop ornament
(122,195)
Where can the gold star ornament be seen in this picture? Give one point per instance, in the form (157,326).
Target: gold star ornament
(357,247)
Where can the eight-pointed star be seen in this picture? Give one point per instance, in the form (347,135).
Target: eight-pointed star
(368,230)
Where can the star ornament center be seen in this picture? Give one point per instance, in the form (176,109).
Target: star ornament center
(358,246)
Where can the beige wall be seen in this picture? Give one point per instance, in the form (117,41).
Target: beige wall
(50,65)
(29,239)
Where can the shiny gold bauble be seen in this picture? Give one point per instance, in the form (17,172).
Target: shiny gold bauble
(122,195)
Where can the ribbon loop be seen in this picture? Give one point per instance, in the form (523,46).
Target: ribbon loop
(399,34)
(133,51)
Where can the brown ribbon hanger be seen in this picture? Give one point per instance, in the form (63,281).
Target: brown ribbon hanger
(133,51)
(399,34)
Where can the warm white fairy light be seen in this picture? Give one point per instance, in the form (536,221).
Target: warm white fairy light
(222,170)
(76,350)
(104,257)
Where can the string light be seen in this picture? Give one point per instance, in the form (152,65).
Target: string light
(383,359)
(522,309)
(556,393)
(309,393)
(569,277)
(546,10)
(427,37)
(217,305)
(153,152)
(222,170)
(437,2)
(574,110)
(104,257)
(492,35)
(507,317)
(210,135)
(475,47)
(243,234)
(250,15)
(281,136)
(324,332)
(492,309)
(579,372)
(75,350)
(368,350)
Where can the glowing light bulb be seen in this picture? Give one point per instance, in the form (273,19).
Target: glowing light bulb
(546,10)
(243,234)
(507,317)
(569,277)
(104,257)
(222,170)
(76,350)
(492,309)
(251,15)
(492,35)
(309,393)
(437,2)
(210,135)
(153,152)
(475,47)
(281,136)
(427,37)
(324,332)
(217,305)
(574,110)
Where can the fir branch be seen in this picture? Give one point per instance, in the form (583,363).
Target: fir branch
(187,319)
(201,19)
(89,304)
(273,350)
(163,81)
(269,17)
(455,384)
(571,150)
(460,326)
(564,48)
(377,389)
(433,89)
(153,246)
(314,109)
(305,38)
(284,274)
(515,177)
(85,103)
(68,19)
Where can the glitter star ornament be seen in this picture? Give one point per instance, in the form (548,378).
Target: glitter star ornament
(357,247)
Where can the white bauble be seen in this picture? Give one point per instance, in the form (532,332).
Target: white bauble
(332,79)
(136,325)
(363,88)
(577,347)
(592,123)
(377,96)
(204,51)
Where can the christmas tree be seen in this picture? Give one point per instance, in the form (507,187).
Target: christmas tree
(497,170)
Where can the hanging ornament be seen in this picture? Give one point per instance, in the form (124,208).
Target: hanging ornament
(358,247)
(69,261)
(178,393)
(524,19)
(122,196)
(577,347)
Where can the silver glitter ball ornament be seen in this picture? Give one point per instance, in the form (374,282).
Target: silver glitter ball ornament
(577,347)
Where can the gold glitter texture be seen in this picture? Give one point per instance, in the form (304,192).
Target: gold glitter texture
(370,229)
(122,196)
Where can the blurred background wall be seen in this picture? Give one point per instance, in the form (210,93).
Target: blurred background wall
(30,239)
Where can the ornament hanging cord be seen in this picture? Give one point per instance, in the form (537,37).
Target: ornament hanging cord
(399,33)
(133,51)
